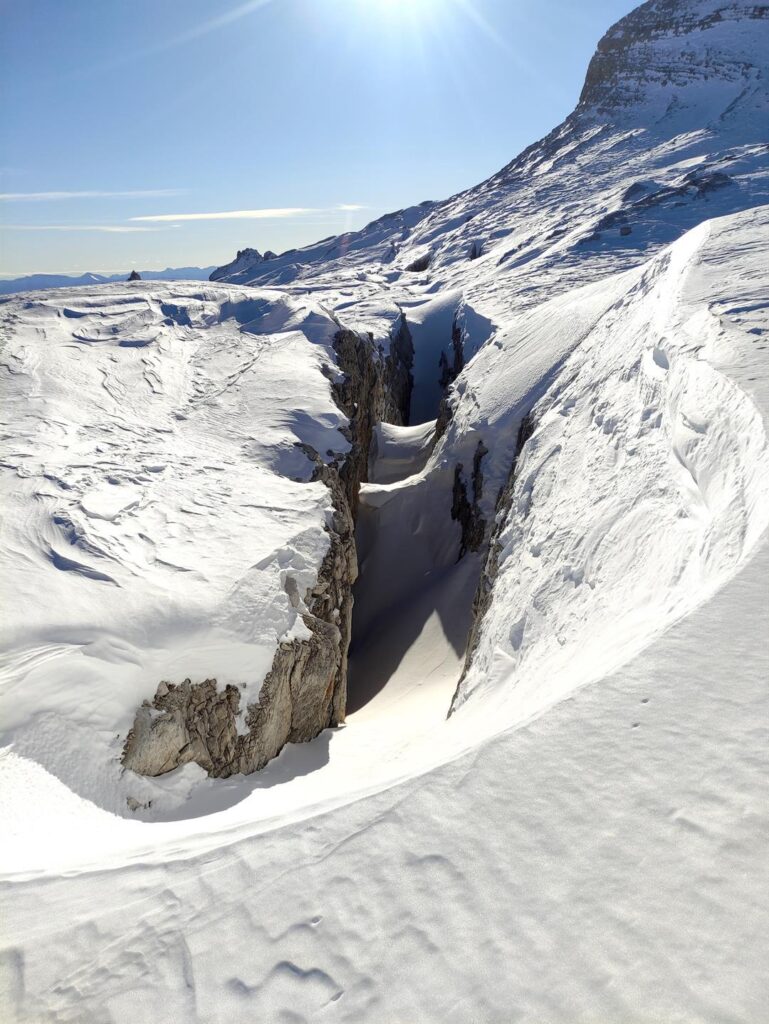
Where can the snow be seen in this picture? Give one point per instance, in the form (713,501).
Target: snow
(156,495)
(644,484)
(584,837)
(574,869)
(284,897)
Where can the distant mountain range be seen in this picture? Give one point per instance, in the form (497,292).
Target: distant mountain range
(34,282)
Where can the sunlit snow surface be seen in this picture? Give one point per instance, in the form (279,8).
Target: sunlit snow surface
(156,504)
(281,898)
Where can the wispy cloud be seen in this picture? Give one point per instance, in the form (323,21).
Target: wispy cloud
(117,229)
(143,193)
(277,213)
(166,220)
(270,213)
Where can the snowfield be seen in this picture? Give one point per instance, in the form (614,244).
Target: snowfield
(280,905)
(550,798)
(156,494)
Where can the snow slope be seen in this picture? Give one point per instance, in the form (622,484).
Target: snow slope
(670,131)
(156,494)
(600,862)
(645,480)
(228,917)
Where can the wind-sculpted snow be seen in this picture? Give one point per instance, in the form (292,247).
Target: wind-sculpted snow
(160,518)
(644,481)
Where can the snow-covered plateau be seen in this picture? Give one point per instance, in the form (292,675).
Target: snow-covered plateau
(387,622)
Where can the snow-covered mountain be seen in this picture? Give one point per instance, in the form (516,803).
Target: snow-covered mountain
(670,130)
(36,282)
(541,406)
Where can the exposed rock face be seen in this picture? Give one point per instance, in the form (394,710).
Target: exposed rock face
(467,512)
(376,388)
(305,690)
(420,264)
(399,381)
(482,598)
(450,370)
(643,50)
(134,276)
(445,414)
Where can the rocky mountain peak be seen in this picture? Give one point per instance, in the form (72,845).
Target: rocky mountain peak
(670,52)
(244,260)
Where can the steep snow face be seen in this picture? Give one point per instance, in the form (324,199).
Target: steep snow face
(160,518)
(645,480)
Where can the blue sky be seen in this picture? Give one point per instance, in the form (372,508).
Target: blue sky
(121,119)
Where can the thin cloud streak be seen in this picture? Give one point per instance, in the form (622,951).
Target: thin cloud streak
(117,229)
(268,214)
(145,193)
(272,213)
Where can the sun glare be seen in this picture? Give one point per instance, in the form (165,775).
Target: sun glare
(398,8)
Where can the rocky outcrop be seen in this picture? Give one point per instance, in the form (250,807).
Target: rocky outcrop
(466,512)
(420,264)
(245,261)
(305,690)
(376,388)
(647,49)
(451,368)
(398,377)
(483,591)
(134,276)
